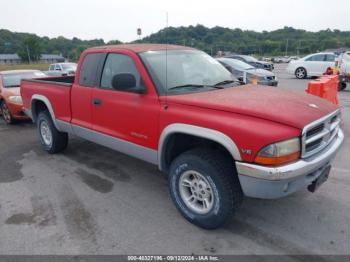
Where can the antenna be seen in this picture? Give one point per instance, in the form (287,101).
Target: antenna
(166,51)
(166,58)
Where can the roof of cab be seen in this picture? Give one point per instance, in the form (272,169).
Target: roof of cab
(139,48)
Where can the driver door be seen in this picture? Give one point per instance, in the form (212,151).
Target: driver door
(121,114)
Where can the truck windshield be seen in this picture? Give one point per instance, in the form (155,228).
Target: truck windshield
(185,71)
(14,79)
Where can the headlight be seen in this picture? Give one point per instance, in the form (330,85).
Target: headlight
(16,100)
(279,153)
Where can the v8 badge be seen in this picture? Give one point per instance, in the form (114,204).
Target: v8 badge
(246,151)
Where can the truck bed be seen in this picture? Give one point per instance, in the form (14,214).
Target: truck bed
(55,89)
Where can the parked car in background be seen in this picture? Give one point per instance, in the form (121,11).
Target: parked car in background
(253,61)
(344,70)
(345,64)
(266,59)
(10,98)
(281,59)
(216,140)
(311,65)
(62,69)
(294,58)
(245,72)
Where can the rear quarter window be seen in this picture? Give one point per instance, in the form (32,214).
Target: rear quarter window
(91,68)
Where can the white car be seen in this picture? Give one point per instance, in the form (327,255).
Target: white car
(345,63)
(311,65)
(282,59)
(62,69)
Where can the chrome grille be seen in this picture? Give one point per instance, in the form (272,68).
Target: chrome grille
(317,135)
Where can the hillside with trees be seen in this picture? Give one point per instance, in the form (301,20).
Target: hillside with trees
(288,41)
(279,42)
(11,42)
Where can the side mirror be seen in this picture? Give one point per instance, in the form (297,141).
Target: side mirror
(126,82)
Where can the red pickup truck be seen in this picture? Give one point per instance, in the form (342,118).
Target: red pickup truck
(180,109)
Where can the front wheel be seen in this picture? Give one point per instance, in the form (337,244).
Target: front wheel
(301,73)
(205,188)
(6,114)
(52,140)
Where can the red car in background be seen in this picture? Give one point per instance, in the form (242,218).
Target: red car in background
(10,99)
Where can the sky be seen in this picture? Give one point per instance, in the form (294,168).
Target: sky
(114,19)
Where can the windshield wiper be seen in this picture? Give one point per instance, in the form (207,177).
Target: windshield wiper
(193,85)
(12,86)
(225,82)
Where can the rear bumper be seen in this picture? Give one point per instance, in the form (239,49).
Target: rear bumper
(276,182)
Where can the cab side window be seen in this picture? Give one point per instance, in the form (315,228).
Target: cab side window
(90,71)
(118,64)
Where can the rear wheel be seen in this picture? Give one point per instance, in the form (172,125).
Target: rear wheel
(6,114)
(205,188)
(52,140)
(300,73)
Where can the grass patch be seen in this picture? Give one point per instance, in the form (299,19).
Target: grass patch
(43,67)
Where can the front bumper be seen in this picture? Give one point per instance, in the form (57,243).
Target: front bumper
(17,111)
(276,182)
(268,82)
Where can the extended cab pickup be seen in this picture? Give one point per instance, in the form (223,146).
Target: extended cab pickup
(180,109)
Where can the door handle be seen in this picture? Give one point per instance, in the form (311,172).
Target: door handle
(96,102)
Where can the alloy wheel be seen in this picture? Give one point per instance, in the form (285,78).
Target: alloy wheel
(6,114)
(46,133)
(196,192)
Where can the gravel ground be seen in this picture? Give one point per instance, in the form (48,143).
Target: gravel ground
(91,200)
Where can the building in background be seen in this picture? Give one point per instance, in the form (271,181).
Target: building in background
(50,59)
(11,59)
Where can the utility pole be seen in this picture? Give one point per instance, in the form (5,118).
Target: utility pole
(287,47)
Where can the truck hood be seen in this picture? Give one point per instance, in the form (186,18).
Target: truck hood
(292,108)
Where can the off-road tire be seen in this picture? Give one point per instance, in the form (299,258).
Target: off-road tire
(59,139)
(221,174)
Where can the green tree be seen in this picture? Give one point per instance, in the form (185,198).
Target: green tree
(30,49)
